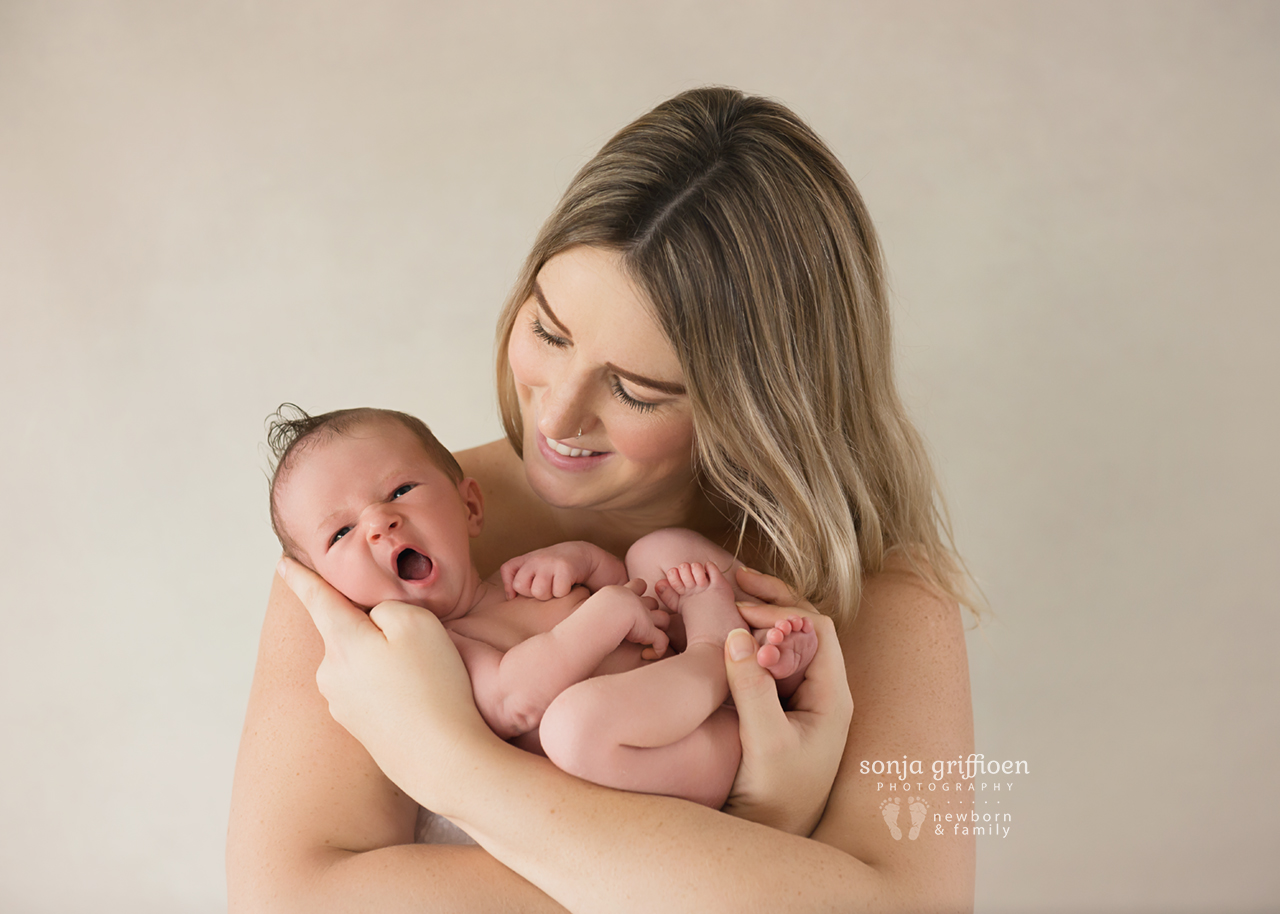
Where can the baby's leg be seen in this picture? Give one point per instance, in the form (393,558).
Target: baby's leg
(699,766)
(652,556)
(785,649)
(659,728)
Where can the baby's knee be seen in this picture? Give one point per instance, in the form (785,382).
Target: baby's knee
(572,740)
(651,555)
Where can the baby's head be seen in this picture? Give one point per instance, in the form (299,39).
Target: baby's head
(373,503)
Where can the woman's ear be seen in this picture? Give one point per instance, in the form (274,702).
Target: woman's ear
(473,498)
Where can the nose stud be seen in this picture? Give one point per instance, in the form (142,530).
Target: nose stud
(579,435)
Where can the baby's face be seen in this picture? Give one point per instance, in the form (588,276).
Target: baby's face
(379,521)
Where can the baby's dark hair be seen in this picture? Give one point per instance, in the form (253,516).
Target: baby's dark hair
(290,430)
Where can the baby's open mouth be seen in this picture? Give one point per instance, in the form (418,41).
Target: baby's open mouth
(412,565)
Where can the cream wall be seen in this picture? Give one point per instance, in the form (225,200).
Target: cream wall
(208,208)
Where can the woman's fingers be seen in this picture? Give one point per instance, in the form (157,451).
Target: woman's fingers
(333,614)
(768,589)
(766,615)
(825,689)
(761,720)
(789,758)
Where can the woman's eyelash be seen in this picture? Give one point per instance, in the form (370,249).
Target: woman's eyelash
(551,339)
(638,405)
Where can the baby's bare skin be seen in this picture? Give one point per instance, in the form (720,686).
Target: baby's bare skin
(522,653)
(554,666)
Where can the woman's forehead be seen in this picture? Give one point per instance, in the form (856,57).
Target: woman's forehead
(588,296)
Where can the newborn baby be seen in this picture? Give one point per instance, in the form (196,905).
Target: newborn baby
(562,645)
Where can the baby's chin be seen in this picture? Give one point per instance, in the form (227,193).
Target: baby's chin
(366,604)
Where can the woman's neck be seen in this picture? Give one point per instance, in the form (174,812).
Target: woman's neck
(615,530)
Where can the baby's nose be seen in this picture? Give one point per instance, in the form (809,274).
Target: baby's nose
(380,523)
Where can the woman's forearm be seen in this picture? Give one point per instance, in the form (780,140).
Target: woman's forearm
(410,878)
(604,850)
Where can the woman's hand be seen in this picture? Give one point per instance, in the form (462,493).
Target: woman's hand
(395,681)
(789,758)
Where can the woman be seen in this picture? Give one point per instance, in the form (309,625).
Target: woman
(700,338)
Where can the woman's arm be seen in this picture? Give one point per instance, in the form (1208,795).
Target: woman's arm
(601,850)
(315,825)
(909,677)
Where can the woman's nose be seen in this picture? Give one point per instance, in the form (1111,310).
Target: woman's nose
(564,407)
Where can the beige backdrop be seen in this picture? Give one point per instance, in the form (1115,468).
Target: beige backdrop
(207,208)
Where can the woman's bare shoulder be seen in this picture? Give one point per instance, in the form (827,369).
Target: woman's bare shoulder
(901,608)
(491,462)
(516,520)
(908,675)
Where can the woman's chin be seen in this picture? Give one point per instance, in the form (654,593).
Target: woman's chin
(559,490)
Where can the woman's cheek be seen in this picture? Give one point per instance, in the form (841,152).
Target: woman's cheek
(524,359)
(649,442)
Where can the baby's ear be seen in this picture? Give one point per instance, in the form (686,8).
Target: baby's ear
(473,498)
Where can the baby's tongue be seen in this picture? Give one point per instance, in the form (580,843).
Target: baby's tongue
(413,565)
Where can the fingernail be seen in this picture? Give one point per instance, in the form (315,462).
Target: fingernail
(750,569)
(741,644)
(742,603)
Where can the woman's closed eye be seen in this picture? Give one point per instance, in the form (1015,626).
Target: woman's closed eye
(642,406)
(546,335)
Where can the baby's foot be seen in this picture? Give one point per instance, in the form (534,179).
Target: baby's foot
(918,809)
(889,809)
(704,598)
(787,648)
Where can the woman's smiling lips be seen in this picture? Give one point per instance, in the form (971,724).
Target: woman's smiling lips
(565,457)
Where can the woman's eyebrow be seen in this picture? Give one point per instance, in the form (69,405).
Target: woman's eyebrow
(667,387)
(546,309)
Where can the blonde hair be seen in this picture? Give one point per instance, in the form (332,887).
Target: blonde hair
(760,262)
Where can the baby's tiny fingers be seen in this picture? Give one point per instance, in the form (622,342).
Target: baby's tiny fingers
(562,583)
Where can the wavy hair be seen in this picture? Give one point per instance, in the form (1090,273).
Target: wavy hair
(759,260)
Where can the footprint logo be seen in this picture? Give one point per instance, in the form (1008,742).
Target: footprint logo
(918,809)
(889,809)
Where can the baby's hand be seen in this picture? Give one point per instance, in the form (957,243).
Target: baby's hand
(552,572)
(648,622)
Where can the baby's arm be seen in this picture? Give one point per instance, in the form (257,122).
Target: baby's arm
(552,572)
(512,690)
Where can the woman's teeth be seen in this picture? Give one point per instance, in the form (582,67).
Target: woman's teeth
(568,451)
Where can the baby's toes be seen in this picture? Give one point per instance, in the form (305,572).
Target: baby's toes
(768,656)
(666,595)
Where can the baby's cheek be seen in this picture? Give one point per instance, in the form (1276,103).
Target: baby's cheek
(345,578)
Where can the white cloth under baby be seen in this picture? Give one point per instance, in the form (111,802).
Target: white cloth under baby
(433,829)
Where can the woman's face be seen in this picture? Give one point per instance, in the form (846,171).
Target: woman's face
(587,356)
